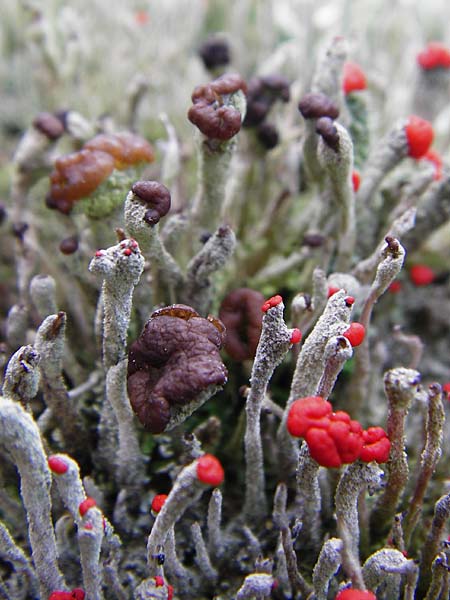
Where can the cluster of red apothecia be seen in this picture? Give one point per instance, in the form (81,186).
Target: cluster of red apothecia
(333,438)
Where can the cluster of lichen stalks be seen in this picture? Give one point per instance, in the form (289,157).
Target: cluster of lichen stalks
(338,525)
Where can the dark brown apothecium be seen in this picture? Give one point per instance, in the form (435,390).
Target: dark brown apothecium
(262,94)
(328,130)
(241,314)
(314,106)
(156,196)
(211,114)
(215,52)
(174,360)
(50,125)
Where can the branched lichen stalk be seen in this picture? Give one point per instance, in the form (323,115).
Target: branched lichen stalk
(400,386)
(121,267)
(429,458)
(19,436)
(274,342)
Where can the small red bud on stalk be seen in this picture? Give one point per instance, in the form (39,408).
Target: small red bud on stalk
(356,181)
(57,465)
(351,594)
(86,505)
(332,290)
(355,334)
(395,287)
(271,302)
(419,134)
(421,275)
(158,503)
(354,78)
(209,470)
(434,56)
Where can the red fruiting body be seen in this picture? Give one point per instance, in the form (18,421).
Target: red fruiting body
(335,439)
(296,336)
(395,287)
(159,581)
(434,56)
(169,592)
(86,505)
(421,275)
(419,134)
(356,180)
(57,465)
(435,158)
(141,17)
(376,445)
(209,470)
(339,444)
(354,78)
(349,301)
(89,526)
(312,411)
(158,502)
(355,334)
(350,594)
(127,252)
(75,594)
(271,302)
(446,388)
(332,290)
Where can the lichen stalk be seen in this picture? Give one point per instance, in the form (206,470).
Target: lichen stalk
(215,536)
(439,578)
(20,438)
(401,387)
(50,345)
(311,362)
(354,480)
(215,254)
(274,343)
(392,258)
(281,520)
(385,568)
(338,165)
(120,267)
(90,525)
(326,567)
(430,549)
(129,460)
(429,458)
(186,490)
